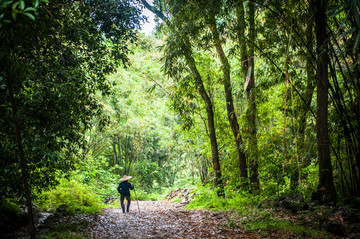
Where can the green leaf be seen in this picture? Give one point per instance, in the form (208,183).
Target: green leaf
(29,15)
(30,9)
(22,4)
(14,6)
(6,3)
(36,3)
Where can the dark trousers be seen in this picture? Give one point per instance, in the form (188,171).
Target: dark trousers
(122,198)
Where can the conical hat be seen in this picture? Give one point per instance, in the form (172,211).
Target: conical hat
(125,178)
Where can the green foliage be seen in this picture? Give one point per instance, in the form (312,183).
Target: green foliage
(266,222)
(186,182)
(77,197)
(235,199)
(246,213)
(138,137)
(55,65)
(10,9)
(78,110)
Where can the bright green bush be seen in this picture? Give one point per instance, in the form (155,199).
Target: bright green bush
(206,198)
(78,198)
(142,195)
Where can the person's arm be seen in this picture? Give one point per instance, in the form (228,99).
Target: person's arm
(131,186)
(118,188)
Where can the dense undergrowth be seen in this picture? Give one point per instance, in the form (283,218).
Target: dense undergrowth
(87,197)
(83,196)
(246,213)
(243,207)
(77,197)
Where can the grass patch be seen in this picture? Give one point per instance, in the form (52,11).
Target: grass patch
(247,215)
(267,221)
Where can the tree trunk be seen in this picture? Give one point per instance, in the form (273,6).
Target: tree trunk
(305,107)
(240,12)
(251,112)
(210,119)
(229,98)
(23,163)
(326,192)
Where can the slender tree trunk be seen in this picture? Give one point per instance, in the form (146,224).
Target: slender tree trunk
(210,120)
(326,191)
(304,107)
(23,163)
(213,140)
(248,69)
(229,98)
(251,112)
(240,12)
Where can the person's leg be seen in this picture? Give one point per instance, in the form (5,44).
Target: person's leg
(122,197)
(128,203)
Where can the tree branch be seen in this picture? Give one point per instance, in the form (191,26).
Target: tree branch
(157,12)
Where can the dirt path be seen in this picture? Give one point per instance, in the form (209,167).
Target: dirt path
(162,220)
(156,219)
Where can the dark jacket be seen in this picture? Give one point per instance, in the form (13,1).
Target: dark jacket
(124,187)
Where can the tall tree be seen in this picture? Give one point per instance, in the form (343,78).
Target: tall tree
(23,161)
(241,39)
(251,98)
(247,55)
(226,81)
(303,150)
(326,189)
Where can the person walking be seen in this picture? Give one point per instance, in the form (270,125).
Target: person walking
(124,190)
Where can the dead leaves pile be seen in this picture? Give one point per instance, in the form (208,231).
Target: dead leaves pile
(162,220)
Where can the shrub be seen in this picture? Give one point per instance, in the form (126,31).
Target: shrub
(78,198)
(206,198)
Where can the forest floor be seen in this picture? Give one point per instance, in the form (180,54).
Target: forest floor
(163,219)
